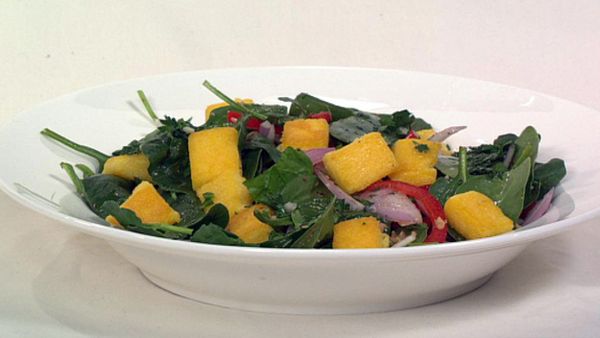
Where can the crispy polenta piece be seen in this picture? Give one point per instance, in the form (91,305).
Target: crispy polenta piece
(149,206)
(416,159)
(360,163)
(474,215)
(358,233)
(228,189)
(247,227)
(425,134)
(128,167)
(213,152)
(305,134)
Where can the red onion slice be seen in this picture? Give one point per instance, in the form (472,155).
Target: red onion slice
(441,136)
(335,190)
(393,206)
(267,129)
(316,155)
(539,208)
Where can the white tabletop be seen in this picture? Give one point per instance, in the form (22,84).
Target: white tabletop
(55,282)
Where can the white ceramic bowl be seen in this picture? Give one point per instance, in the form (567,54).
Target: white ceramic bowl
(305,281)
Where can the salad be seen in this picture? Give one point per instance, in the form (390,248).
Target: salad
(307,173)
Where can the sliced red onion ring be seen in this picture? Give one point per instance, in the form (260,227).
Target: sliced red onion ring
(393,206)
(441,136)
(267,129)
(335,190)
(539,208)
(316,155)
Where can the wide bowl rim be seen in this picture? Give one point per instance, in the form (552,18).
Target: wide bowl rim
(510,239)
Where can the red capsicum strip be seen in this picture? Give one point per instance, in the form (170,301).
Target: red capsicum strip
(426,202)
(412,134)
(252,124)
(325,115)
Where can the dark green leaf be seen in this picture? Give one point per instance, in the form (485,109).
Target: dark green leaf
(355,126)
(99,189)
(131,222)
(272,220)
(289,180)
(251,162)
(549,174)
(443,188)
(527,146)
(320,230)
(255,140)
(187,204)
(306,104)
(214,234)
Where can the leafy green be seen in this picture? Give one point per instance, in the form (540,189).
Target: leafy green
(392,127)
(507,191)
(444,188)
(549,174)
(99,189)
(131,222)
(214,234)
(420,230)
(291,179)
(282,240)
(255,140)
(305,104)
(218,215)
(187,204)
(350,128)
(399,124)
(167,151)
(308,211)
(272,220)
(320,230)
(251,162)
(527,146)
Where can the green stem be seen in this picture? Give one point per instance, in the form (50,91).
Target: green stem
(100,157)
(147,105)
(173,228)
(237,106)
(462,164)
(73,176)
(87,172)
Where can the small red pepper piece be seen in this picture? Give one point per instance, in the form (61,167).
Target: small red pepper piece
(234,116)
(253,123)
(412,134)
(426,202)
(322,115)
(278,129)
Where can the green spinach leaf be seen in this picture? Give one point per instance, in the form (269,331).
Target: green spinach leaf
(214,234)
(291,179)
(131,222)
(321,230)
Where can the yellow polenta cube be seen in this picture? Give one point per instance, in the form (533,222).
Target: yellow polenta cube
(416,159)
(419,178)
(358,233)
(149,206)
(213,152)
(212,107)
(305,134)
(247,227)
(425,134)
(474,215)
(128,167)
(228,189)
(360,163)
